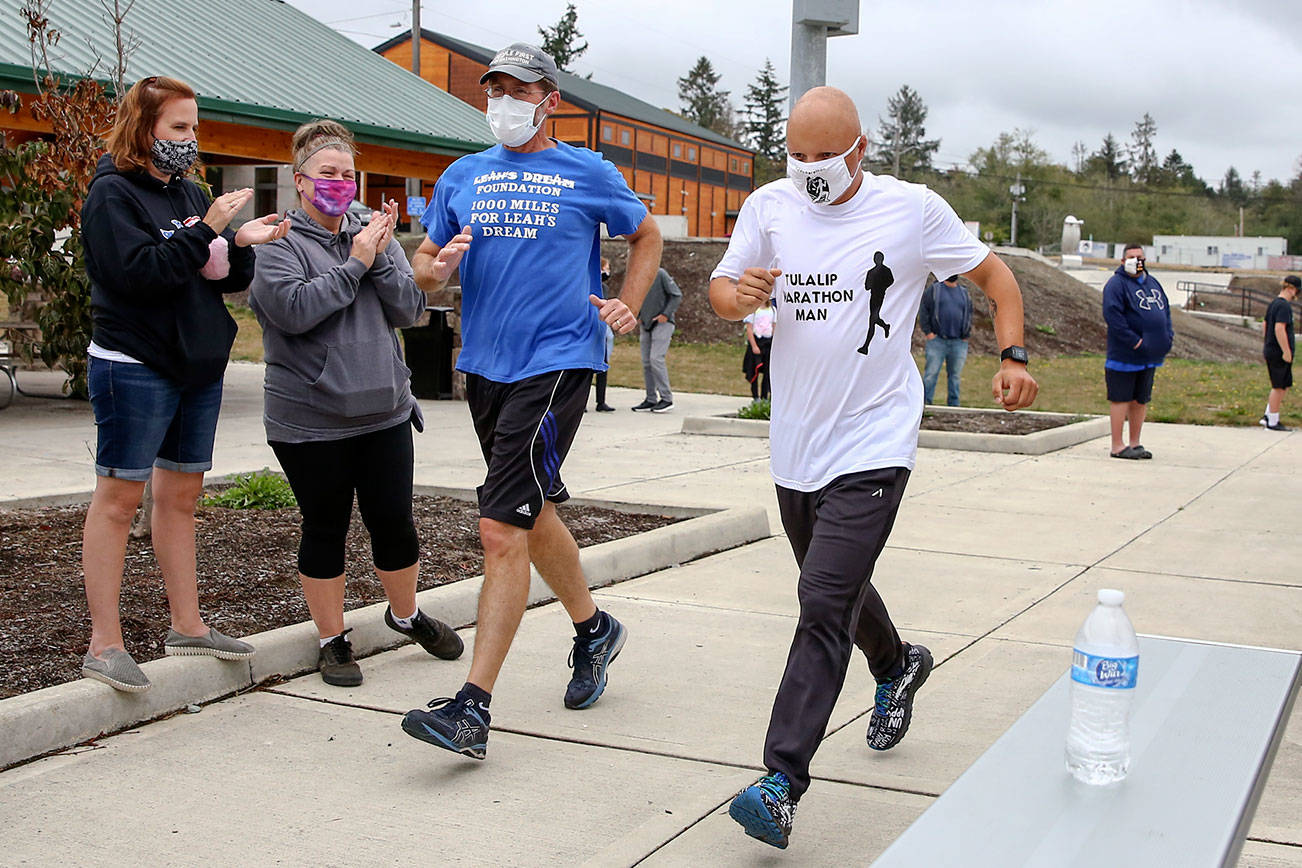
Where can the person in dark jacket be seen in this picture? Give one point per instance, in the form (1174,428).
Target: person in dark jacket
(1139,337)
(945,317)
(159,256)
(339,409)
(1277,349)
(656,319)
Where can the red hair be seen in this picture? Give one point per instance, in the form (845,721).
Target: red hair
(132,135)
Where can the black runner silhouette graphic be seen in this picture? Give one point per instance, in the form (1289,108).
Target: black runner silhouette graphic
(875,281)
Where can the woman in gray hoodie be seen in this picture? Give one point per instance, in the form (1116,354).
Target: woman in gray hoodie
(339,408)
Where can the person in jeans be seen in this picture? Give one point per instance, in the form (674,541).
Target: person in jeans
(601,377)
(759,343)
(534,318)
(1139,337)
(339,409)
(656,319)
(945,317)
(1277,330)
(159,255)
(845,422)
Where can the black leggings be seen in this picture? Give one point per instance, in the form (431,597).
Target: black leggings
(324,475)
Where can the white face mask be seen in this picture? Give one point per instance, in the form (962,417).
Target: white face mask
(823,181)
(512,120)
(1133,266)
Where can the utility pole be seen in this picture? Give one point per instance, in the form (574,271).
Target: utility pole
(812,23)
(1017,190)
(413,184)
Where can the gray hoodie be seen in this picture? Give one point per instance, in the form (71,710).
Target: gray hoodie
(334,366)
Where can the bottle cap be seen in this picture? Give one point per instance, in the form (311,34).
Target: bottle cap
(1110,597)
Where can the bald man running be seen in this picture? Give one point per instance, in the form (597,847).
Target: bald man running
(845,413)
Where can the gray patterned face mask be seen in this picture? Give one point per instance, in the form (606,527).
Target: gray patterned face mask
(174,157)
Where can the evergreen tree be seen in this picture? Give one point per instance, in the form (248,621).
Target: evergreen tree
(561,41)
(901,147)
(1232,187)
(1143,155)
(766,123)
(1176,172)
(1107,160)
(703,102)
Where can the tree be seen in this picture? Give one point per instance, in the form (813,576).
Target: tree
(766,123)
(1176,172)
(1108,160)
(1143,156)
(901,145)
(703,102)
(1080,153)
(561,40)
(1232,187)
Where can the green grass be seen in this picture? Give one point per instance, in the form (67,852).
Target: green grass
(260,490)
(1200,393)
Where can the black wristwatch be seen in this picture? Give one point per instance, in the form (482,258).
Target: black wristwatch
(1016,353)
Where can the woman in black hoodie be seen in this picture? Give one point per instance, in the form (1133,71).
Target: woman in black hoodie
(159,256)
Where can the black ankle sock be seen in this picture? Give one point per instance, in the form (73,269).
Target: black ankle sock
(591,628)
(480,697)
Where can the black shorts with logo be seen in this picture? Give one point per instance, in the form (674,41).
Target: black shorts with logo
(1127,386)
(525,430)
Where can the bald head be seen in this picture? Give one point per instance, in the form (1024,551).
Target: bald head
(823,123)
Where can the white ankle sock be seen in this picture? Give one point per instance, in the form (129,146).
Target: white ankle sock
(1272,418)
(327,640)
(404,623)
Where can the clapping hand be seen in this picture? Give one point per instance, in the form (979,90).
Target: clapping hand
(367,242)
(449,255)
(262,230)
(225,207)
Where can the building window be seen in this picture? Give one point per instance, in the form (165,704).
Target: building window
(1164,251)
(264,190)
(691,153)
(625,138)
(607,134)
(745,167)
(678,150)
(1261,251)
(1212,250)
(732,164)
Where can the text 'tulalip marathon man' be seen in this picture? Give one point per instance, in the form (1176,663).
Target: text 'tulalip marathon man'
(844,255)
(522,221)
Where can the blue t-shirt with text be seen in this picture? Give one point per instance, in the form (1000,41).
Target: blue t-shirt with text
(535,255)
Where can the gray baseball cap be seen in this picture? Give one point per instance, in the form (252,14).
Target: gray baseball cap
(526,62)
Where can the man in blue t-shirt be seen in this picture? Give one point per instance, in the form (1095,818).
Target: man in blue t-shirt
(522,221)
(1139,337)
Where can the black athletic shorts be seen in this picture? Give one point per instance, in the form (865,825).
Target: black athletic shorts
(525,430)
(1281,372)
(1127,386)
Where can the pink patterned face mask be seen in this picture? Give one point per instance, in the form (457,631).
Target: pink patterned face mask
(332,196)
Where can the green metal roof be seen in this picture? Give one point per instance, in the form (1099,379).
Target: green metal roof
(584,92)
(259,62)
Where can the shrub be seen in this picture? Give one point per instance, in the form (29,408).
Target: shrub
(260,490)
(755,410)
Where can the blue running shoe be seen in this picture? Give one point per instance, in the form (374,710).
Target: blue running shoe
(893,705)
(765,809)
(590,658)
(455,724)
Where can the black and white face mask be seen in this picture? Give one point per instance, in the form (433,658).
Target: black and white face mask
(174,157)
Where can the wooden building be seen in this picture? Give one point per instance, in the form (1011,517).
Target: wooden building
(692,179)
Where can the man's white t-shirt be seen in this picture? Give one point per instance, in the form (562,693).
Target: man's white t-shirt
(835,410)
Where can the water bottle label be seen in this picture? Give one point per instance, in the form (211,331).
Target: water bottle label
(1117,672)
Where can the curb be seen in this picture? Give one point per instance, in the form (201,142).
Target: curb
(1038,443)
(64,715)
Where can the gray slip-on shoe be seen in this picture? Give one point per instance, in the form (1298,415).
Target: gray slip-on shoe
(214,644)
(116,669)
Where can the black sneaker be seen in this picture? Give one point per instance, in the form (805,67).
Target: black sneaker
(893,708)
(337,664)
(605,408)
(765,809)
(1278,426)
(455,724)
(433,635)
(645,405)
(662,406)
(590,658)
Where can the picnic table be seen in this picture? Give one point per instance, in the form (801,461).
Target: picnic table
(1206,722)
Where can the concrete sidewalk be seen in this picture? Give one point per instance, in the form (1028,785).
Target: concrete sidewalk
(993,563)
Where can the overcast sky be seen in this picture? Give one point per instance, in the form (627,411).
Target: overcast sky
(1222,78)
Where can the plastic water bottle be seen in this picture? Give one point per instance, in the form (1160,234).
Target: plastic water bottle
(1104,669)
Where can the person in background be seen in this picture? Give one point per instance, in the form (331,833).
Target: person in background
(657,321)
(159,255)
(1139,337)
(945,317)
(339,409)
(602,376)
(1277,330)
(759,341)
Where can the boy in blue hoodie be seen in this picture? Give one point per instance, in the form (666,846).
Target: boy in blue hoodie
(1139,337)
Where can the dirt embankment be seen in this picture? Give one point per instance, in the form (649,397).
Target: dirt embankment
(1063,315)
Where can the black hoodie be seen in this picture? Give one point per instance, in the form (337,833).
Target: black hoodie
(145,242)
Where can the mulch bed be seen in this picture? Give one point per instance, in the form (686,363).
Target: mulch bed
(993,422)
(248,578)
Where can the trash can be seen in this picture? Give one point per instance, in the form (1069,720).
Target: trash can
(429,355)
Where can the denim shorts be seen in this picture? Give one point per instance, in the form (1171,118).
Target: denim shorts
(144,420)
